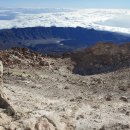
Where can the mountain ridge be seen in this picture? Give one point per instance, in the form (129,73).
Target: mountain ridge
(59,39)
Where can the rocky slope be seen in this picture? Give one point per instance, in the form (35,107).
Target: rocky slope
(46,95)
(101,58)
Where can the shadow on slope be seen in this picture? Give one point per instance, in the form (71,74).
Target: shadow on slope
(56,39)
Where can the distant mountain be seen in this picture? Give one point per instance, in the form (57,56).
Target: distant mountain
(57,39)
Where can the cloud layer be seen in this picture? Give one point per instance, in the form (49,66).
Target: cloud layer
(101,19)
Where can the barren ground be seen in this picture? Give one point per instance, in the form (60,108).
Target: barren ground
(70,101)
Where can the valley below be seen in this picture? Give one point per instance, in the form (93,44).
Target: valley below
(57,40)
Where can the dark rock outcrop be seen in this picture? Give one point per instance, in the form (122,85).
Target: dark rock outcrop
(101,58)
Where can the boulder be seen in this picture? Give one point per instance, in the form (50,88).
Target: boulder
(44,63)
(44,124)
(124,98)
(40,123)
(108,97)
(2,128)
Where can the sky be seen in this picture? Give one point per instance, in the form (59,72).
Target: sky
(124,4)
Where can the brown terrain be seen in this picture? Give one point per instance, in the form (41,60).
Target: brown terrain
(101,58)
(85,90)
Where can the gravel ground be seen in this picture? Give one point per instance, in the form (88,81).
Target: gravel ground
(70,101)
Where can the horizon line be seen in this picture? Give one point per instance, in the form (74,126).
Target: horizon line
(58,8)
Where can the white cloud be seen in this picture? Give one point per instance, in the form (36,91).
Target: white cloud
(88,18)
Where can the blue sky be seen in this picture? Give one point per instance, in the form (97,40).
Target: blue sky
(67,3)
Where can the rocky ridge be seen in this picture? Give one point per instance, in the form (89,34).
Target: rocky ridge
(101,58)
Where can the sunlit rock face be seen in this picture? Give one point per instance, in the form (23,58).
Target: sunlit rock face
(2,101)
(101,19)
(1,74)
